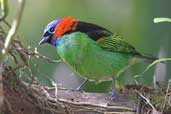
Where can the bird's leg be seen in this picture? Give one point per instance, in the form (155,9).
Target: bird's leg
(80,87)
(114,89)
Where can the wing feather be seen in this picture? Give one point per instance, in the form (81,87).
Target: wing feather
(116,43)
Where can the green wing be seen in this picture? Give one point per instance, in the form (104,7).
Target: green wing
(116,43)
(105,38)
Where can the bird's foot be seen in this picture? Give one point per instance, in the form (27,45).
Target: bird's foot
(78,89)
(114,95)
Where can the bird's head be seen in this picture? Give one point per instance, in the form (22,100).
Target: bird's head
(55,29)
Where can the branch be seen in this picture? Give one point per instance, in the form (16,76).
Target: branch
(12,32)
(9,38)
(1,87)
(38,55)
(42,98)
(4,9)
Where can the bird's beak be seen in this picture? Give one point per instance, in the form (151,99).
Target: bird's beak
(44,40)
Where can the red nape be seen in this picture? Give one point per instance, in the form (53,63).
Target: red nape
(64,25)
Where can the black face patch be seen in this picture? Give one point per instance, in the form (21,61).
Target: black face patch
(46,34)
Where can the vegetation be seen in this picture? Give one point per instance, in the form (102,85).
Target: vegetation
(24,65)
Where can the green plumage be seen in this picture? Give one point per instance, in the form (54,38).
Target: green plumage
(99,60)
(90,50)
(117,44)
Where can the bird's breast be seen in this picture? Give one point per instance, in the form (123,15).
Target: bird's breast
(86,58)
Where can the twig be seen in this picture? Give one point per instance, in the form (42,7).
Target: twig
(1,87)
(6,23)
(17,67)
(38,55)
(139,105)
(4,12)
(13,30)
(148,101)
(4,9)
(151,65)
(166,96)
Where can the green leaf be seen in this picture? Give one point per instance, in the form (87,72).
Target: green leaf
(161,19)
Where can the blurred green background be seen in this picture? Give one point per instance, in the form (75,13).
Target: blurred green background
(133,19)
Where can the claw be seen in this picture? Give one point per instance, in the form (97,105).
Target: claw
(114,95)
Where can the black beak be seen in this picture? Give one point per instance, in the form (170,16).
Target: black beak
(44,40)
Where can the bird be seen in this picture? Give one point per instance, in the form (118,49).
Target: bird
(91,51)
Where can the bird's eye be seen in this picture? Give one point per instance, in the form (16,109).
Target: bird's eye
(52,29)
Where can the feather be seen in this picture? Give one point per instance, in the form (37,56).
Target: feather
(116,43)
(105,38)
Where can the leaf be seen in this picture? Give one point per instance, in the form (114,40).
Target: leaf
(161,19)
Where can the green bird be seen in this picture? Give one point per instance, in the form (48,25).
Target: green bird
(92,51)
